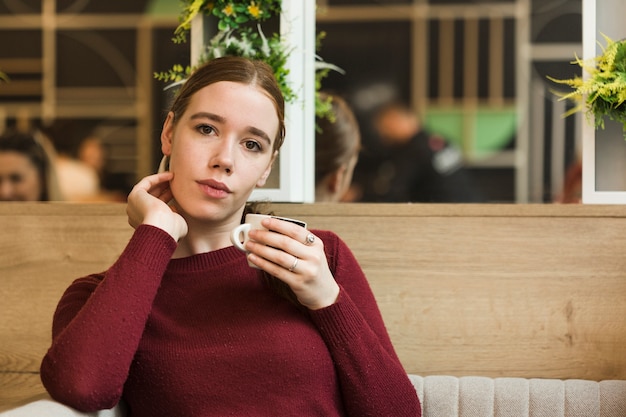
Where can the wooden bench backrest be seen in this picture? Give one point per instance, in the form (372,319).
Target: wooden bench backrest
(493,290)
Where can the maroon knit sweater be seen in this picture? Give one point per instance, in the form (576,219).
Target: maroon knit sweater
(204,336)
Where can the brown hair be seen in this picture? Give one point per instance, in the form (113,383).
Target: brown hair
(336,141)
(239,70)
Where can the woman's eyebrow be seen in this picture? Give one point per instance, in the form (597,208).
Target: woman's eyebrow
(258,132)
(206,115)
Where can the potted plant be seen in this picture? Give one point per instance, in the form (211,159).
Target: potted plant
(240,33)
(602,94)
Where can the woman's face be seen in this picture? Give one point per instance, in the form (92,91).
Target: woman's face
(220,149)
(19,178)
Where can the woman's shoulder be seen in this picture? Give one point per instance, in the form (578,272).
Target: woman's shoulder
(87,282)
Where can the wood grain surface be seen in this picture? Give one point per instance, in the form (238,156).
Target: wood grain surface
(533,291)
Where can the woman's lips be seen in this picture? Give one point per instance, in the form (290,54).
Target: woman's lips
(214,188)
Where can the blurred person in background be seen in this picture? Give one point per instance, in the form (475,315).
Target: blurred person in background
(27,171)
(93,153)
(410,164)
(337,146)
(78,181)
(572,185)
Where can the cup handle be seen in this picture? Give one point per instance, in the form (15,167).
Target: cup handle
(236,238)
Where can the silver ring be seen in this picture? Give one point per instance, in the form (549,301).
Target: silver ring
(295,263)
(310,238)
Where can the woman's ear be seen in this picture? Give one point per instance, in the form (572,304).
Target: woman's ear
(167,134)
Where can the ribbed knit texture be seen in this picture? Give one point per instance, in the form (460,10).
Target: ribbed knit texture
(203,336)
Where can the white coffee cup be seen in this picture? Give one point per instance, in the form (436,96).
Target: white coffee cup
(239,235)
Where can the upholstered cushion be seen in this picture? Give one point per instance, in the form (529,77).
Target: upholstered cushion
(448,396)
(50,408)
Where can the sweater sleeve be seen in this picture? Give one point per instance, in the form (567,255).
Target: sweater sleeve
(99,322)
(373,381)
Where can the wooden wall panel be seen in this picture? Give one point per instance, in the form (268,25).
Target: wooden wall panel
(523,290)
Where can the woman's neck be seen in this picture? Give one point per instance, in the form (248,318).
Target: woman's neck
(205,236)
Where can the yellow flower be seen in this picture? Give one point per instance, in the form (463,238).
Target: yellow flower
(603,93)
(254,10)
(229,10)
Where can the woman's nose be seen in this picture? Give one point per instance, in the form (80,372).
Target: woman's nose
(223,157)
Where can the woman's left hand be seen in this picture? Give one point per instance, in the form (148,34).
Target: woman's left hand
(294,255)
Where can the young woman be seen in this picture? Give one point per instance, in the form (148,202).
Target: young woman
(180,325)
(27,168)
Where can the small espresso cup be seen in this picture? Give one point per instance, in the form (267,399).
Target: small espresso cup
(239,235)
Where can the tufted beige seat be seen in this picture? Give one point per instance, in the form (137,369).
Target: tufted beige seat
(448,396)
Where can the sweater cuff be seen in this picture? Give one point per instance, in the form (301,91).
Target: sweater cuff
(151,246)
(342,320)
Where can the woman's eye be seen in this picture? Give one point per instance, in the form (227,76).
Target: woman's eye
(206,129)
(253,145)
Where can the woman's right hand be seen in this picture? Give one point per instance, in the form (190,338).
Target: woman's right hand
(148,204)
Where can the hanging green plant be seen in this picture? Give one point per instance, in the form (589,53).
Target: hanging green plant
(602,94)
(230,14)
(236,36)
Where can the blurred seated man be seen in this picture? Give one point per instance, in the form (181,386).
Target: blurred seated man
(409,164)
